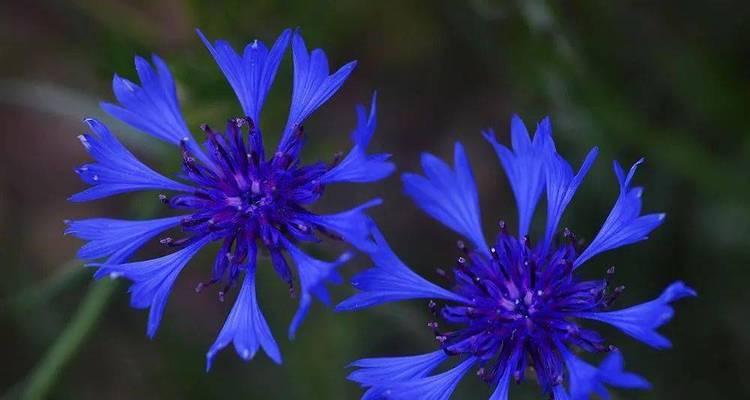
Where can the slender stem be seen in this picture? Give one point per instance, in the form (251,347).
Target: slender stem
(47,372)
(68,275)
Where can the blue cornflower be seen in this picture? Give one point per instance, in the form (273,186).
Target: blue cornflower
(514,304)
(230,191)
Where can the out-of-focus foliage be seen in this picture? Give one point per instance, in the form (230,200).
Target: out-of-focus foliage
(664,80)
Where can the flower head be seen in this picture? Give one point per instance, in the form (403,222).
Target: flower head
(514,303)
(231,190)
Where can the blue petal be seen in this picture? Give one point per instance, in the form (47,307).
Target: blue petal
(612,372)
(252,74)
(624,225)
(436,387)
(366,124)
(313,275)
(245,326)
(641,321)
(524,166)
(559,393)
(352,225)
(390,280)
(152,107)
(585,379)
(503,383)
(561,186)
(448,196)
(358,166)
(153,280)
(116,169)
(116,238)
(312,84)
(388,370)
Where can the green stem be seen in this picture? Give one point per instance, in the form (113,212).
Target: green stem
(68,275)
(47,372)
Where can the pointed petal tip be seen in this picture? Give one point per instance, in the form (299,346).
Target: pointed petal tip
(76,198)
(137,59)
(545,125)
(344,257)
(680,289)
(209,360)
(274,354)
(246,355)
(408,176)
(151,333)
(346,305)
(106,106)
(594,152)
(204,39)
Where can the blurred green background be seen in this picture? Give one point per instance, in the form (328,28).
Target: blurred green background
(667,80)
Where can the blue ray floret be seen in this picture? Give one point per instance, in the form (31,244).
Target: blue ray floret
(231,191)
(514,305)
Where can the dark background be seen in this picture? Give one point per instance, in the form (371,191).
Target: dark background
(667,81)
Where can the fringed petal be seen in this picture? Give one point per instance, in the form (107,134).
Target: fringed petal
(152,280)
(116,169)
(312,85)
(625,224)
(436,387)
(641,321)
(450,196)
(388,370)
(252,74)
(586,379)
(313,275)
(524,166)
(391,280)
(115,238)
(353,225)
(561,186)
(152,107)
(246,326)
(358,166)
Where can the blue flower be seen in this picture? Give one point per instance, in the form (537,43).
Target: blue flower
(230,190)
(513,304)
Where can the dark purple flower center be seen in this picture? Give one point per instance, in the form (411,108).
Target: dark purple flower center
(245,197)
(523,299)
